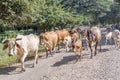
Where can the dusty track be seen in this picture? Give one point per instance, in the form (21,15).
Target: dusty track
(104,66)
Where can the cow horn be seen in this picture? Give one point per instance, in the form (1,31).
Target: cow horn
(5,41)
(18,39)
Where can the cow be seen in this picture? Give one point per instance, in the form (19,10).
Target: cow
(61,35)
(83,33)
(67,42)
(108,37)
(41,38)
(115,26)
(22,45)
(74,34)
(77,47)
(115,36)
(74,37)
(93,38)
(74,30)
(49,40)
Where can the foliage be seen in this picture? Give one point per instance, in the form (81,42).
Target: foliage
(45,14)
(92,10)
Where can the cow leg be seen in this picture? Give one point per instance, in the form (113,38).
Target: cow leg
(51,52)
(67,49)
(36,58)
(95,48)
(22,61)
(115,44)
(100,45)
(119,44)
(80,56)
(46,52)
(77,57)
(90,50)
(58,46)
(110,41)
(106,42)
(53,49)
(87,45)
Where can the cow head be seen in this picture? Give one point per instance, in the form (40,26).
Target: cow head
(90,35)
(65,40)
(76,48)
(41,38)
(12,45)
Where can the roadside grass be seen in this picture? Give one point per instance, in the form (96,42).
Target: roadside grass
(5,60)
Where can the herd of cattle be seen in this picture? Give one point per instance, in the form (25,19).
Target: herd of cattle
(22,45)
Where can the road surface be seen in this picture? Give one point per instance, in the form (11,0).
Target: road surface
(104,66)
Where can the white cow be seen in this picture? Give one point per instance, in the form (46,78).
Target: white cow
(108,37)
(21,46)
(67,41)
(115,36)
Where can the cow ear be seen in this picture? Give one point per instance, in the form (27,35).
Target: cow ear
(18,46)
(5,46)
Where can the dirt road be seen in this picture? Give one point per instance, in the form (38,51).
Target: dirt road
(104,66)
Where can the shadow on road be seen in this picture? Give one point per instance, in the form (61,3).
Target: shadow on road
(12,69)
(7,70)
(103,50)
(65,60)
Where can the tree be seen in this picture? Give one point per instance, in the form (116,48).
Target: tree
(92,10)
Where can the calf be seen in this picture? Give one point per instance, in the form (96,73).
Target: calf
(22,46)
(77,47)
(74,36)
(108,37)
(67,41)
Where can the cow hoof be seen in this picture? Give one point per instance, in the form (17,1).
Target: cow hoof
(23,70)
(34,65)
(36,62)
(91,57)
(75,61)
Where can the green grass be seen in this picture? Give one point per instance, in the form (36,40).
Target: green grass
(5,60)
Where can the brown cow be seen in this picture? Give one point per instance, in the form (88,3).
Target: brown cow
(94,38)
(61,35)
(49,40)
(78,49)
(74,37)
